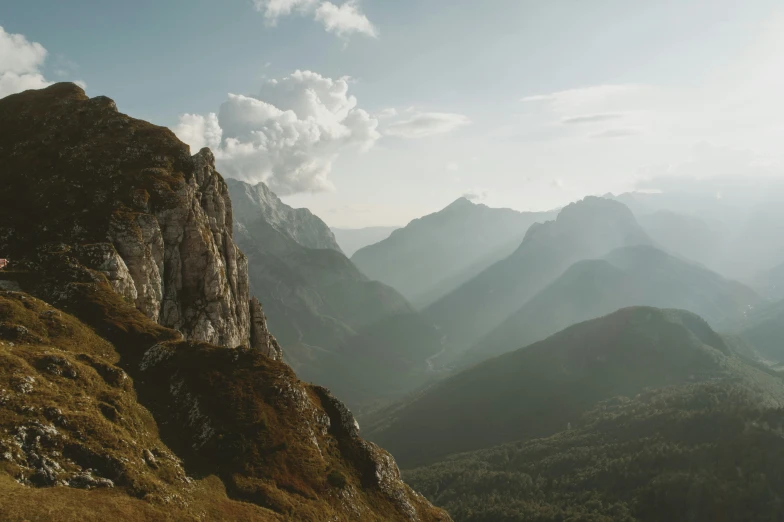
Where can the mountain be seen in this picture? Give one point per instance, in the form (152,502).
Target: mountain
(252,202)
(435,254)
(629,276)
(746,236)
(584,230)
(698,452)
(136,373)
(770,282)
(685,236)
(352,239)
(763,329)
(538,390)
(358,337)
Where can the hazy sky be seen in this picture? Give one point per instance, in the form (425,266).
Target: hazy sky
(374,112)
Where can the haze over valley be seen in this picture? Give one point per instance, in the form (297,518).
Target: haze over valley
(354,260)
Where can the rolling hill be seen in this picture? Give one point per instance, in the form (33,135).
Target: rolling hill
(539,390)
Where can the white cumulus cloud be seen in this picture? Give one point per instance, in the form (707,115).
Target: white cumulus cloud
(20,64)
(343,20)
(287,135)
(424,124)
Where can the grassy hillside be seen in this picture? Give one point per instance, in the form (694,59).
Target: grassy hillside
(538,390)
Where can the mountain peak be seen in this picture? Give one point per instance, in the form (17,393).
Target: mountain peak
(258,202)
(461,202)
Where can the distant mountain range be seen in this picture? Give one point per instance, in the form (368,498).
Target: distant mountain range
(546,387)
(588,229)
(629,276)
(740,239)
(352,239)
(360,338)
(435,254)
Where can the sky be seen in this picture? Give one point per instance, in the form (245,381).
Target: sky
(375,112)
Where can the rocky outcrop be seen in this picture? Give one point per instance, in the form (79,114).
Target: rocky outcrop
(155,220)
(254,202)
(260,337)
(153,363)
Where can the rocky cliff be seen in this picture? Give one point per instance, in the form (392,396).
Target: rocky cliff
(358,337)
(254,202)
(132,201)
(135,366)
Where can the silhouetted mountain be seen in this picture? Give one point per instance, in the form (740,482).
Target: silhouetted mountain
(336,324)
(435,254)
(352,239)
(584,230)
(748,230)
(630,276)
(538,390)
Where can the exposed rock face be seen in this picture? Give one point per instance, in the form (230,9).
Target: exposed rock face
(132,239)
(259,202)
(155,220)
(260,337)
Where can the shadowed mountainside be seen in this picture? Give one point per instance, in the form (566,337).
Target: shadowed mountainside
(538,390)
(358,337)
(134,364)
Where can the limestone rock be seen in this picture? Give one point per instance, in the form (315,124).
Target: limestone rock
(156,221)
(260,337)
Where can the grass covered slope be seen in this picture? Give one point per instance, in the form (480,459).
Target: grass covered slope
(631,276)
(138,411)
(538,390)
(96,393)
(702,452)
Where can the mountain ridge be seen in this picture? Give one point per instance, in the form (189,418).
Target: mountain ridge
(435,253)
(101,392)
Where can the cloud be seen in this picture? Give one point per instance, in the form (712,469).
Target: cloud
(575,99)
(20,64)
(424,124)
(615,133)
(387,113)
(274,9)
(342,20)
(287,135)
(476,195)
(590,118)
(452,166)
(200,131)
(345,20)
